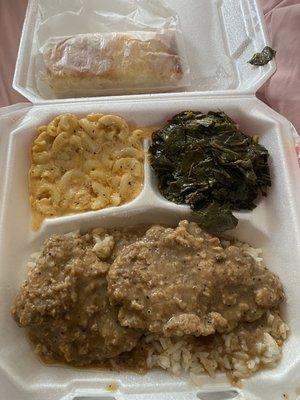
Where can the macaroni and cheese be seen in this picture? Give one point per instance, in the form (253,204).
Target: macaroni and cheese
(81,164)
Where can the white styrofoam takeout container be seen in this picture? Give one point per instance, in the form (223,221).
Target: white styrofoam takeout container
(273,225)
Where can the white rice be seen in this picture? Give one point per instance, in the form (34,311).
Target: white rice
(228,352)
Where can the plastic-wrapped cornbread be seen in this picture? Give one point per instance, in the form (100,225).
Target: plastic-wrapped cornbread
(114,63)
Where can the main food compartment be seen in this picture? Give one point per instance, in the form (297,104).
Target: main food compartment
(273,226)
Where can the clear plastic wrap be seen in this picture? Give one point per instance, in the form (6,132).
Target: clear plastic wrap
(100,48)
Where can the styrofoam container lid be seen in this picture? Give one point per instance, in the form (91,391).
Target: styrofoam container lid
(220,37)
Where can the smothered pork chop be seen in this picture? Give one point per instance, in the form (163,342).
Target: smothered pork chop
(65,305)
(174,298)
(183,282)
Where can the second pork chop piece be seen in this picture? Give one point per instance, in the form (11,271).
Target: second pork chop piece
(182,281)
(65,307)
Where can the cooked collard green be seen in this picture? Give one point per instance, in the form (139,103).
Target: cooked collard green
(262,58)
(205,161)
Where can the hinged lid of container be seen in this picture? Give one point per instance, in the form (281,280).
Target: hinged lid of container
(220,37)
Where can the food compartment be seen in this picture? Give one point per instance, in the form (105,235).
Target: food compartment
(272,226)
(109,153)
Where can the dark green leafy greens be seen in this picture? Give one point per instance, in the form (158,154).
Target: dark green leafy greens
(205,161)
(260,59)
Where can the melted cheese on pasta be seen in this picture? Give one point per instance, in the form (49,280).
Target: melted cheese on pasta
(84,164)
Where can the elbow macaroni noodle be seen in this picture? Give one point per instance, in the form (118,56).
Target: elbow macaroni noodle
(84,164)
